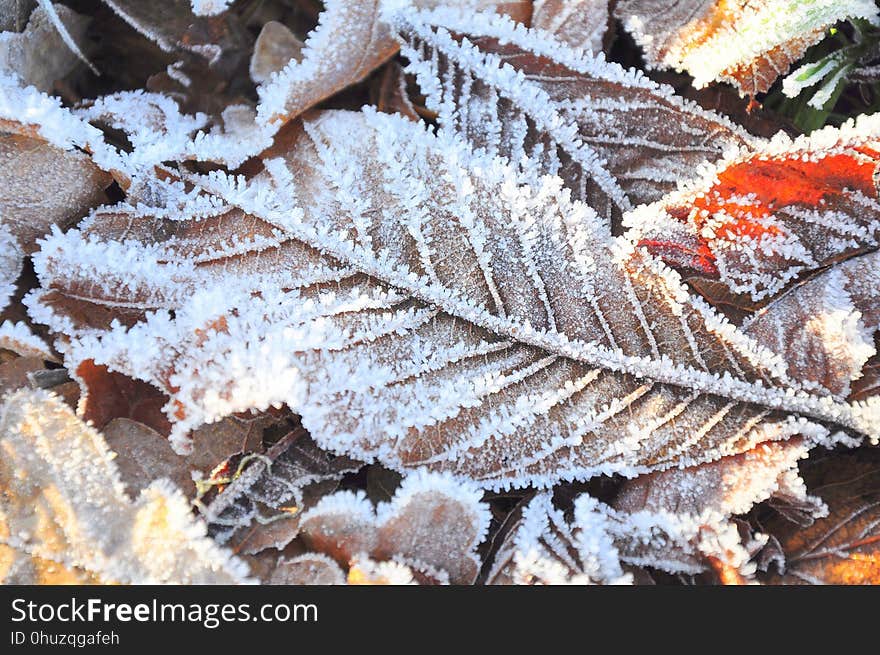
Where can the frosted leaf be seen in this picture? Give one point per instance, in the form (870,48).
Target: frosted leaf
(579,23)
(543,548)
(442,316)
(825,328)
(763,217)
(26,112)
(38,55)
(264,502)
(63,500)
(174,25)
(349,42)
(19,338)
(11,261)
(432,520)
(674,520)
(616,138)
(307,569)
(275,47)
(744,42)
(42,185)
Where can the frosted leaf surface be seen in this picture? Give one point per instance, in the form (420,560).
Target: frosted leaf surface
(763,217)
(744,42)
(616,138)
(674,520)
(825,327)
(432,520)
(63,500)
(442,316)
(18,337)
(351,40)
(579,23)
(42,185)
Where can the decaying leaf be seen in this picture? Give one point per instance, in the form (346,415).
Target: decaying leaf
(455,320)
(62,500)
(579,23)
(677,520)
(843,547)
(433,524)
(275,48)
(351,40)
(615,138)
(744,42)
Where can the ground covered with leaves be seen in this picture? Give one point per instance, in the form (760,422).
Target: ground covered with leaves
(422,292)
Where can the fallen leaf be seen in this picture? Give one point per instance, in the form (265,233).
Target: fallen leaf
(747,43)
(63,500)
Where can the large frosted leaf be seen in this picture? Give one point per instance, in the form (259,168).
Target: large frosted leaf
(420,308)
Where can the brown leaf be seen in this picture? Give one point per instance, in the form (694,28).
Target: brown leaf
(263,503)
(39,56)
(42,186)
(307,569)
(582,338)
(430,520)
(61,499)
(844,547)
(691,508)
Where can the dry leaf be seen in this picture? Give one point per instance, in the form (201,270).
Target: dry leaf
(543,548)
(763,217)
(39,55)
(433,523)
(62,500)
(263,504)
(744,42)
(42,185)
(677,520)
